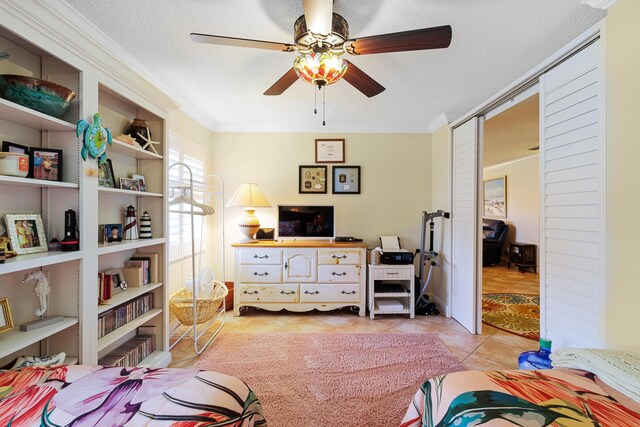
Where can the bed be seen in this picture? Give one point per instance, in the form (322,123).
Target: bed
(606,394)
(112,396)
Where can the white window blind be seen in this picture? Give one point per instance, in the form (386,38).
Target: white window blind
(183,150)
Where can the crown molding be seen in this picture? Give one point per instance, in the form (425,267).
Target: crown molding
(66,34)
(599,4)
(438,122)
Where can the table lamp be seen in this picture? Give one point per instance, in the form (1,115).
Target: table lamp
(249,197)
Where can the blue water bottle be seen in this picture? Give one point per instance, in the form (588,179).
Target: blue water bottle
(537,359)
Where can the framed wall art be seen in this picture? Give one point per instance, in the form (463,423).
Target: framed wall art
(6,322)
(26,232)
(330,151)
(495,197)
(346,180)
(312,179)
(106,178)
(45,163)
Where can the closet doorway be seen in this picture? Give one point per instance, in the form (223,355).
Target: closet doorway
(510,194)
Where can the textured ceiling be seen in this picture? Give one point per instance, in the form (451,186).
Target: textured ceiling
(510,134)
(494,42)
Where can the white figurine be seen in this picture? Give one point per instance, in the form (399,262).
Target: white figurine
(42,289)
(149,143)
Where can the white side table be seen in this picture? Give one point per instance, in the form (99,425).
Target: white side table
(391,290)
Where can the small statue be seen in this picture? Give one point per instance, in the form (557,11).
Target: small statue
(94,139)
(41,288)
(5,242)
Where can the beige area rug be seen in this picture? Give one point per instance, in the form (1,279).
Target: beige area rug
(331,379)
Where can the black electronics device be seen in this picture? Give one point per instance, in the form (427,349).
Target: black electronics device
(347,239)
(400,256)
(70,241)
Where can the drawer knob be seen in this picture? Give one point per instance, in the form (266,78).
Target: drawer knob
(256,256)
(287,292)
(333,273)
(250,293)
(312,293)
(255,273)
(347,293)
(339,257)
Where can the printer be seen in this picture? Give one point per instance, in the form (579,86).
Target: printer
(392,253)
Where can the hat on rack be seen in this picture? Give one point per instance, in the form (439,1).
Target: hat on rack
(249,197)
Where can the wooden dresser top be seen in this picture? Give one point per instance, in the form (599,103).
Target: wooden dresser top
(291,243)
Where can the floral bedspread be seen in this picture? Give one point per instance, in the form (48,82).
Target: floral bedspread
(112,396)
(561,398)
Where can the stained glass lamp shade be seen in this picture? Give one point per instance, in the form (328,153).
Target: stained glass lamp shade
(320,69)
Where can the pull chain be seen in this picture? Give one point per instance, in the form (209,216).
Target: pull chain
(315,101)
(324,92)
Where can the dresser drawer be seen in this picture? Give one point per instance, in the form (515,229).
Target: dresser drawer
(329,293)
(393,273)
(260,256)
(261,273)
(267,293)
(338,273)
(338,256)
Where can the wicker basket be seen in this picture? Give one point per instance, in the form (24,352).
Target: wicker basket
(181,304)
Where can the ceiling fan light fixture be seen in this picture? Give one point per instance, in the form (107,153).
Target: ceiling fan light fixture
(320,68)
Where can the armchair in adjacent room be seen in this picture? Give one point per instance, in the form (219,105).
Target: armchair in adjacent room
(494,234)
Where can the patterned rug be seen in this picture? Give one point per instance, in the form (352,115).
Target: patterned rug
(331,379)
(515,313)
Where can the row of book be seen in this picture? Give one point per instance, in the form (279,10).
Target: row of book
(112,319)
(141,269)
(131,352)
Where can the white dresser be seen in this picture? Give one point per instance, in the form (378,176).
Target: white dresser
(300,275)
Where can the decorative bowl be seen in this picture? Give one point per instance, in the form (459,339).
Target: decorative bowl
(37,94)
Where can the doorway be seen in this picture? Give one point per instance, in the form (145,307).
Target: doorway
(510,192)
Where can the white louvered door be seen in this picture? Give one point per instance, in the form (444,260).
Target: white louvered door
(464,215)
(572,158)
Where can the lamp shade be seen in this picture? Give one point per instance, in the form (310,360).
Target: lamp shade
(249,196)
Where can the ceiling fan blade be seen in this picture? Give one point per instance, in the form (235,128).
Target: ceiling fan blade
(233,41)
(283,83)
(424,38)
(362,81)
(318,14)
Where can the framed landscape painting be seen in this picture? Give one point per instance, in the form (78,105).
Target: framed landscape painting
(495,197)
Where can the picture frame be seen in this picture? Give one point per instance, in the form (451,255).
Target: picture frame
(6,321)
(26,233)
(346,180)
(45,163)
(312,179)
(494,197)
(142,184)
(330,151)
(106,178)
(117,280)
(113,233)
(129,184)
(12,147)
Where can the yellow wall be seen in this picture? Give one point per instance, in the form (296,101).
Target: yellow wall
(396,181)
(441,199)
(623,174)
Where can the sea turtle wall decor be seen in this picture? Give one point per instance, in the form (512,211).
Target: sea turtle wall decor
(95,138)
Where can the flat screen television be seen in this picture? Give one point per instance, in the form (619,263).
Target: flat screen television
(306,222)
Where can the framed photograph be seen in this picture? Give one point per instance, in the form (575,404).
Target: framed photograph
(329,150)
(6,322)
(346,180)
(45,163)
(12,147)
(129,184)
(106,178)
(26,233)
(495,197)
(117,280)
(312,179)
(113,233)
(142,185)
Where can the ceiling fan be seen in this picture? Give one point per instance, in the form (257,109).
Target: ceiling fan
(322,36)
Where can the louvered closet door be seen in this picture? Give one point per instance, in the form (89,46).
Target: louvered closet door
(464,215)
(572,237)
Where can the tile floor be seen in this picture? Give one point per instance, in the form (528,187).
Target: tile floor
(494,349)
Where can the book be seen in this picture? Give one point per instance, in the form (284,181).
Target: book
(153,264)
(142,264)
(134,276)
